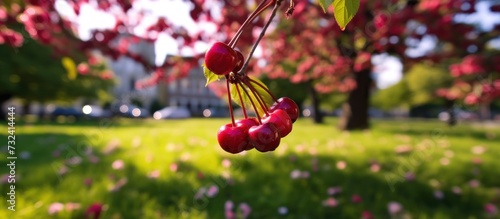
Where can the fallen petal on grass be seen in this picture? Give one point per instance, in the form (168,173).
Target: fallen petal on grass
(212,191)
(55,208)
(118,164)
(394,208)
(282,210)
(330,202)
(334,190)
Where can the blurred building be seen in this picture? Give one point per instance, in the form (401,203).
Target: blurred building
(189,92)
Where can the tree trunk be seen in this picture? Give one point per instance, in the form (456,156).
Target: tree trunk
(355,110)
(26,108)
(484,112)
(452,119)
(316,114)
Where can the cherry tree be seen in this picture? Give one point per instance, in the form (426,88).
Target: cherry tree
(330,59)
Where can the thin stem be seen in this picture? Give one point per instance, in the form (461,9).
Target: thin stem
(261,101)
(264,88)
(260,8)
(230,103)
(261,35)
(241,100)
(253,105)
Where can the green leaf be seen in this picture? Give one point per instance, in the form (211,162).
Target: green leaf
(248,96)
(209,75)
(325,4)
(344,11)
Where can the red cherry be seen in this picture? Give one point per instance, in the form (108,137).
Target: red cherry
(281,120)
(220,58)
(239,61)
(288,105)
(233,139)
(246,124)
(264,137)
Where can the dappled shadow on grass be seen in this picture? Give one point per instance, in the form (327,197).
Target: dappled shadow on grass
(266,182)
(272,187)
(418,128)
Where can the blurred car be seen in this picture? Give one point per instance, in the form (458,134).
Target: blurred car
(94,111)
(172,112)
(460,114)
(55,111)
(129,110)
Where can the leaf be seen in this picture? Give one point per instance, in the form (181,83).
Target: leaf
(325,4)
(344,11)
(70,67)
(249,96)
(209,75)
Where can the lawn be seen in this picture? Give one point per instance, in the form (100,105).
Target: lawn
(175,169)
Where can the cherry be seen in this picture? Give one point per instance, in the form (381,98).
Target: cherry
(264,137)
(288,105)
(233,139)
(246,124)
(281,120)
(239,61)
(220,58)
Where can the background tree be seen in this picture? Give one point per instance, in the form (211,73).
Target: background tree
(340,60)
(31,73)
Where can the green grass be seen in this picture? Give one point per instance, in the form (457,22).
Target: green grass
(262,180)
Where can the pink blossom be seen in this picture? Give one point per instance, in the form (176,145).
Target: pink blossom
(471,99)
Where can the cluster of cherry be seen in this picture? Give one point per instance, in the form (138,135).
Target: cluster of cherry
(273,119)
(262,133)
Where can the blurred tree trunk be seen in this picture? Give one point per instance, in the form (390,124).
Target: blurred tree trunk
(484,111)
(355,110)
(26,107)
(318,117)
(452,120)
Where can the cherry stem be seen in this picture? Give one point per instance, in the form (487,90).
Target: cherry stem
(253,104)
(230,103)
(261,35)
(260,8)
(259,98)
(241,100)
(264,88)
